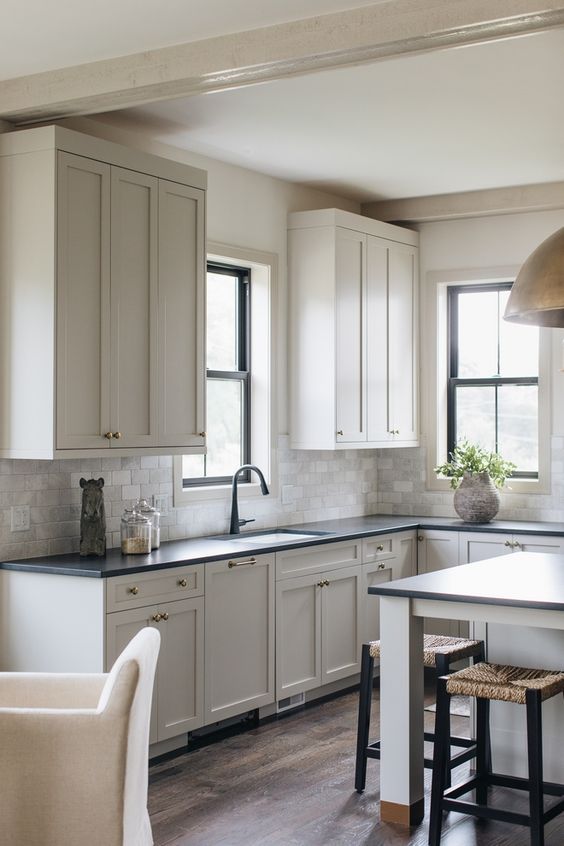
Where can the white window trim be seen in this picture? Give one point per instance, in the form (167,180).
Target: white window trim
(434,384)
(264,267)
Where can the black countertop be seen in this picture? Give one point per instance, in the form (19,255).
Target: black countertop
(200,550)
(521,579)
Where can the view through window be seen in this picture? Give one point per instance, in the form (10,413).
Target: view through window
(493,377)
(227,382)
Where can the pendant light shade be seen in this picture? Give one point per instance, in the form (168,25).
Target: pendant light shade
(537,295)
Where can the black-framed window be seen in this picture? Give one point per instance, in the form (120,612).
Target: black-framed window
(492,377)
(228,419)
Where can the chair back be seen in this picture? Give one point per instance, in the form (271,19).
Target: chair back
(136,664)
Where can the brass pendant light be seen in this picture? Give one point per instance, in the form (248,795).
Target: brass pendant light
(537,295)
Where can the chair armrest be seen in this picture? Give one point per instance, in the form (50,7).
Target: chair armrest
(51,690)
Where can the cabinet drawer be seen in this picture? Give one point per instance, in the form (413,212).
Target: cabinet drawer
(330,556)
(378,548)
(159,586)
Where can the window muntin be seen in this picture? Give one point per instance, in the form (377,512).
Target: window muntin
(227,378)
(493,377)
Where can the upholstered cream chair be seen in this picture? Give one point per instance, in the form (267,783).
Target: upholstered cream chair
(74,753)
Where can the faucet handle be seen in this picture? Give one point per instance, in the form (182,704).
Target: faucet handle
(244,522)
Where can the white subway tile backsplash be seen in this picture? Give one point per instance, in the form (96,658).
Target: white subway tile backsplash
(325,485)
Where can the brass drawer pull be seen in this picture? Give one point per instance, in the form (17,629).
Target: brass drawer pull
(182,583)
(340,432)
(164,616)
(156,618)
(508,543)
(117,435)
(134,590)
(321,583)
(109,435)
(380,548)
(382,566)
(250,561)
(326,582)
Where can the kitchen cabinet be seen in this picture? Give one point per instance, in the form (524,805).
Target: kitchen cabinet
(476,546)
(354,283)
(385,559)
(239,636)
(319,616)
(118,267)
(172,601)
(178,695)
(437,550)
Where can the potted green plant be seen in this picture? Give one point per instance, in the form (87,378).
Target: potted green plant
(476,475)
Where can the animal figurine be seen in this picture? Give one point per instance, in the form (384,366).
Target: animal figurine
(92,518)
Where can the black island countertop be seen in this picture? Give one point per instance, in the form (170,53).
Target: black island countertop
(215,548)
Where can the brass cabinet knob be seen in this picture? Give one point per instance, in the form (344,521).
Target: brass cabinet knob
(164,616)
(156,618)
(327,582)
(202,434)
(380,548)
(381,566)
(109,435)
(321,583)
(182,583)
(420,537)
(508,543)
(134,590)
(516,545)
(117,435)
(340,432)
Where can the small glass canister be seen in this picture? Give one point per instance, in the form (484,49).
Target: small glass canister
(135,532)
(155,517)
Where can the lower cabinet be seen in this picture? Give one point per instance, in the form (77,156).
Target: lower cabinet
(239,636)
(385,558)
(178,695)
(437,550)
(475,546)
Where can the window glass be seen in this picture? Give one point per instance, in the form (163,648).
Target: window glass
(518,425)
(477,334)
(475,411)
(221,328)
(518,345)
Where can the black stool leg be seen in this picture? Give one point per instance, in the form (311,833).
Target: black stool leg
(364,704)
(483,755)
(440,759)
(534,747)
(442,664)
(477,659)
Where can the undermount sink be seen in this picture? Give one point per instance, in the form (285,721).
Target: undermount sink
(280,536)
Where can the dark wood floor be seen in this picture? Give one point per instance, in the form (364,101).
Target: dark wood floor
(290,783)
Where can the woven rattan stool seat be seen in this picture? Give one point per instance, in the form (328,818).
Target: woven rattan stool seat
(504,683)
(455,647)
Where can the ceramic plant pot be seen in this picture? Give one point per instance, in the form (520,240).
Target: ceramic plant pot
(476,500)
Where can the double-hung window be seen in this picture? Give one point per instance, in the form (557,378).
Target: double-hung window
(493,377)
(227,378)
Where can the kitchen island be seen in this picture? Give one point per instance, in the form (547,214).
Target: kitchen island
(518,602)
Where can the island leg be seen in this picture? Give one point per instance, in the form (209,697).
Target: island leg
(401,712)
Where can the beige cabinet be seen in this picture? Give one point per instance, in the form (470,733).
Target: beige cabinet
(319,618)
(353,282)
(172,601)
(239,636)
(477,546)
(438,550)
(385,559)
(178,695)
(124,284)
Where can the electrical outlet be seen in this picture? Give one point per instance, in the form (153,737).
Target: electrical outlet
(287,494)
(160,502)
(20,519)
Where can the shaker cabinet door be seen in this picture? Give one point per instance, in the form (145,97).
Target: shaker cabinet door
(83,302)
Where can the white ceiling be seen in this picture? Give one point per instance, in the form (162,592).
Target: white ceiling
(463,119)
(477,117)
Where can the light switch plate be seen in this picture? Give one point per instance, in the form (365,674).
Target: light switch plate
(20,519)
(160,502)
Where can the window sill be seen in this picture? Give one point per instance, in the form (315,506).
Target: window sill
(517,486)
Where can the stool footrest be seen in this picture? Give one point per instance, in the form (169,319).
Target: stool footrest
(451,800)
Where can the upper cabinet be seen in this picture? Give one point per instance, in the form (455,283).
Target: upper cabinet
(353,332)
(102,288)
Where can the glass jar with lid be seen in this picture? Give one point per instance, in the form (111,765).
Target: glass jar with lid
(135,532)
(155,517)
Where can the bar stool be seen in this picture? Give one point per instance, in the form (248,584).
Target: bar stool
(507,684)
(439,652)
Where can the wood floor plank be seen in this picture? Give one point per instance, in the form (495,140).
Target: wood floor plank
(291,783)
